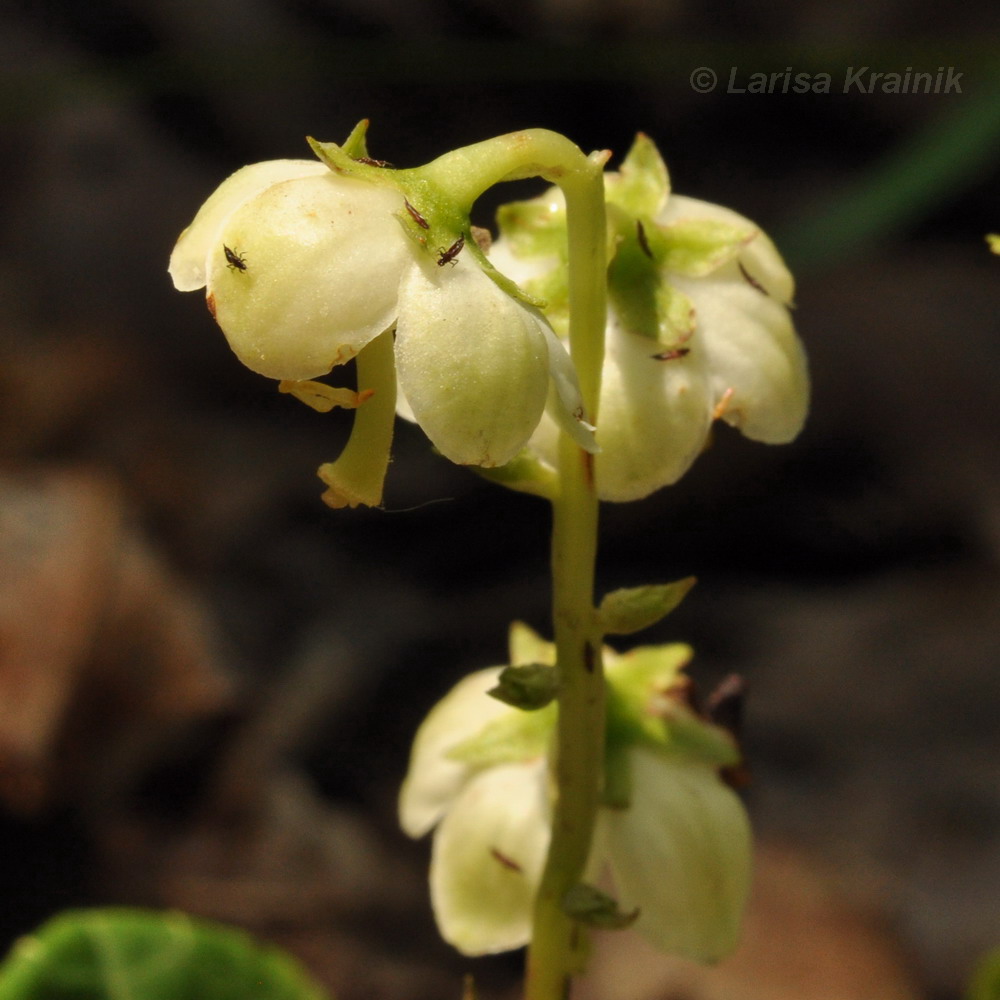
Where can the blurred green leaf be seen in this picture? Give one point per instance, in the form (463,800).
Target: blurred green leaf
(129,954)
(985,984)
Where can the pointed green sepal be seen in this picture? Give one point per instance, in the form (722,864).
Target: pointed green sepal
(632,609)
(525,473)
(597,909)
(645,303)
(616,792)
(527,646)
(510,738)
(336,157)
(535,228)
(696,247)
(649,703)
(356,144)
(529,687)
(642,184)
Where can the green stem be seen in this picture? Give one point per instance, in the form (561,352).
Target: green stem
(556,950)
(467,172)
(557,947)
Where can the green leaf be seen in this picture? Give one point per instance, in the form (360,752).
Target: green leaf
(130,954)
(985,984)
(632,609)
(529,687)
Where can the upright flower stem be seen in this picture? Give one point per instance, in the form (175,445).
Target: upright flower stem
(557,948)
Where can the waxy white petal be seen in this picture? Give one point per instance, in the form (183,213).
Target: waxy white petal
(433,779)
(565,404)
(681,853)
(472,362)
(759,376)
(188,262)
(488,856)
(323,256)
(654,417)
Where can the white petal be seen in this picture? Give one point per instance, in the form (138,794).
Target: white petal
(654,416)
(681,853)
(433,779)
(403,408)
(488,856)
(324,256)
(472,362)
(759,376)
(190,256)
(565,404)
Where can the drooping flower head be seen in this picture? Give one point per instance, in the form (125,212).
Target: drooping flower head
(698,329)
(307,263)
(675,837)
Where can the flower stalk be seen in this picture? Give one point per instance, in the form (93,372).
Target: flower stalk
(612,293)
(557,949)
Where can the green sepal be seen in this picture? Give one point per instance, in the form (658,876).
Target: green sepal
(648,704)
(645,303)
(510,738)
(535,228)
(593,908)
(633,280)
(616,792)
(696,247)
(993,240)
(527,646)
(356,144)
(525,473)
(529,687)
(632,609)
(642,184)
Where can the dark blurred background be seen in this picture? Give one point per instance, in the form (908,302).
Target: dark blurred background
(209,681)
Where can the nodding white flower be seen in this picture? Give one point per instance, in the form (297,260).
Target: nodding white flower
(306,263)
(675,838)
(698,327)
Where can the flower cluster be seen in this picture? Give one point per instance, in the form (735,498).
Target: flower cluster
(306,263)
(675,837)
(698,327)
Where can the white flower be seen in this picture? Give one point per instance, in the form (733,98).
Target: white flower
(698,328)
(676,839)
(305,266)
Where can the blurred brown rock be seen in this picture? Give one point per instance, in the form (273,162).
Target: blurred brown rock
(102,654)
